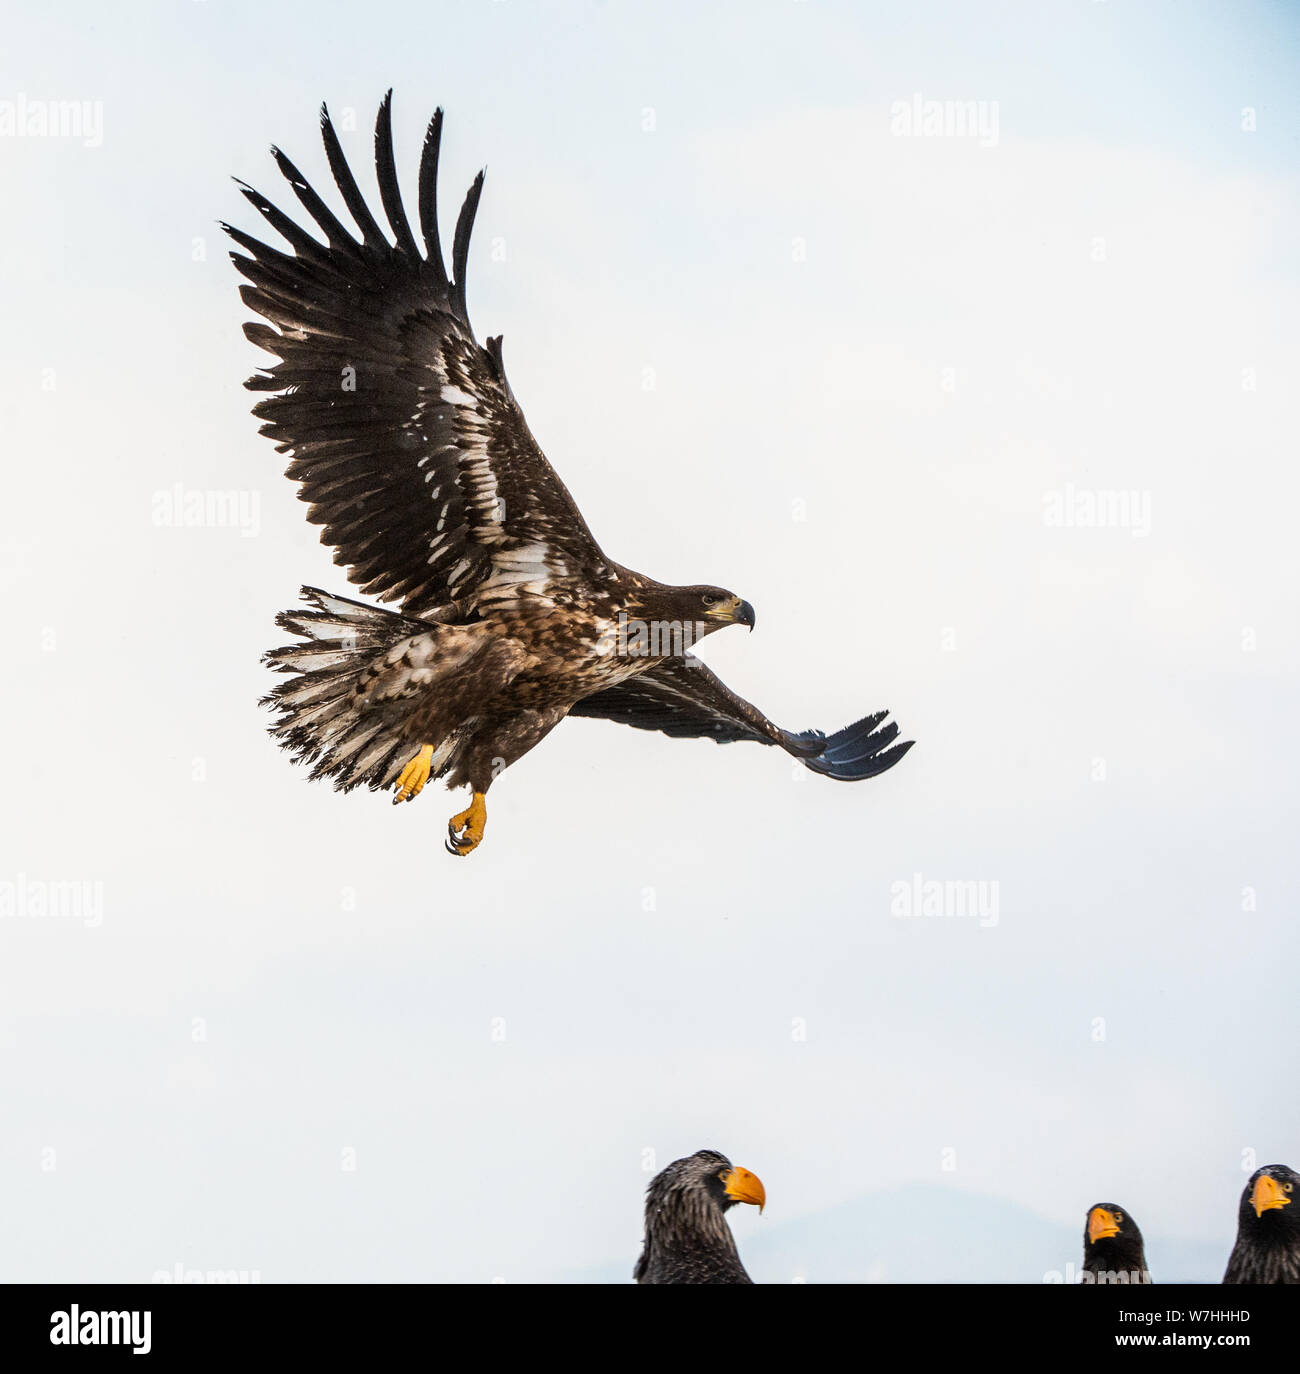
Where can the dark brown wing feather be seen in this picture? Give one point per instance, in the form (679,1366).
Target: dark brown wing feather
(685,699)
(406,439)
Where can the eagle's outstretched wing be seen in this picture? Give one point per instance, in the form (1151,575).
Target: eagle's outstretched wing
(408,443)
(683,698)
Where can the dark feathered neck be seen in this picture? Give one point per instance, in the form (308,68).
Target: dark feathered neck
(687,1240)
(1117,1259)
(1267,1251)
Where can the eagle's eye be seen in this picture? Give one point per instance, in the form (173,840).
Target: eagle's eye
(709,599)
(1119,1216)
(1288,1187)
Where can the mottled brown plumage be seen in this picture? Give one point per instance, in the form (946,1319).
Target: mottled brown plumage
(411,451)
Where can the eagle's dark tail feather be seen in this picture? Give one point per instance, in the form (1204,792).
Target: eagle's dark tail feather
(860,750)
(318,720)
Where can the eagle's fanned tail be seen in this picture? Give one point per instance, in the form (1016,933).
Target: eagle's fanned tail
(319,722)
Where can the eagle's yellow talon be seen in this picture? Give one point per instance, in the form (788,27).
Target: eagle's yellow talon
(411,780)
(465,829)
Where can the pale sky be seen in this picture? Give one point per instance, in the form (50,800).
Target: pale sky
(872,379)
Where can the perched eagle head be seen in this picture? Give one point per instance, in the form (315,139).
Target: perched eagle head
(1112,1245)
(1269,1209)
(1271,1189)
(687,1239)
(1268,1229)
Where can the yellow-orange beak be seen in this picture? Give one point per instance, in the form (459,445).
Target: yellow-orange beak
(1267,1195)
(1101,1225)
(742,1186)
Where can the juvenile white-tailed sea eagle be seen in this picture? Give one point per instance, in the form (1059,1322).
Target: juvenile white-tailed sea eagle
(411,450)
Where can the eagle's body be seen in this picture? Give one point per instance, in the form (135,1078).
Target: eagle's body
(413,454)
(687,1238)
(1268,1229)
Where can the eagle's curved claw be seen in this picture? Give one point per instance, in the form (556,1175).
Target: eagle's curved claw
(411,780)
(465,829)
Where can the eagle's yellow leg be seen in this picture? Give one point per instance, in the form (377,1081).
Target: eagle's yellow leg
(411,780)
(465,829)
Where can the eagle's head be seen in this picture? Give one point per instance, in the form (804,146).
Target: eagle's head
(688,613)
(1112,1244)
(686,1238)
(1268,1229)
(703,1180)
(1270,1210)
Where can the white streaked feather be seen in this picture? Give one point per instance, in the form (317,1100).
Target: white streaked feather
(309,693)
(366,761)
(348,747)
(310,660)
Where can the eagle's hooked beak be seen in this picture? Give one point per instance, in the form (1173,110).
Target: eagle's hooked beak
(742,1186)
(1268,1194)
(734,611)
(1101,1225)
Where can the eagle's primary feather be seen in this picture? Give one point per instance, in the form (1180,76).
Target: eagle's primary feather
(411,451)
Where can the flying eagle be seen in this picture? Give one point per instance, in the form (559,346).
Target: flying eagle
(1112,1247)
(410,449)
(1268,1229)
(687,1239)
